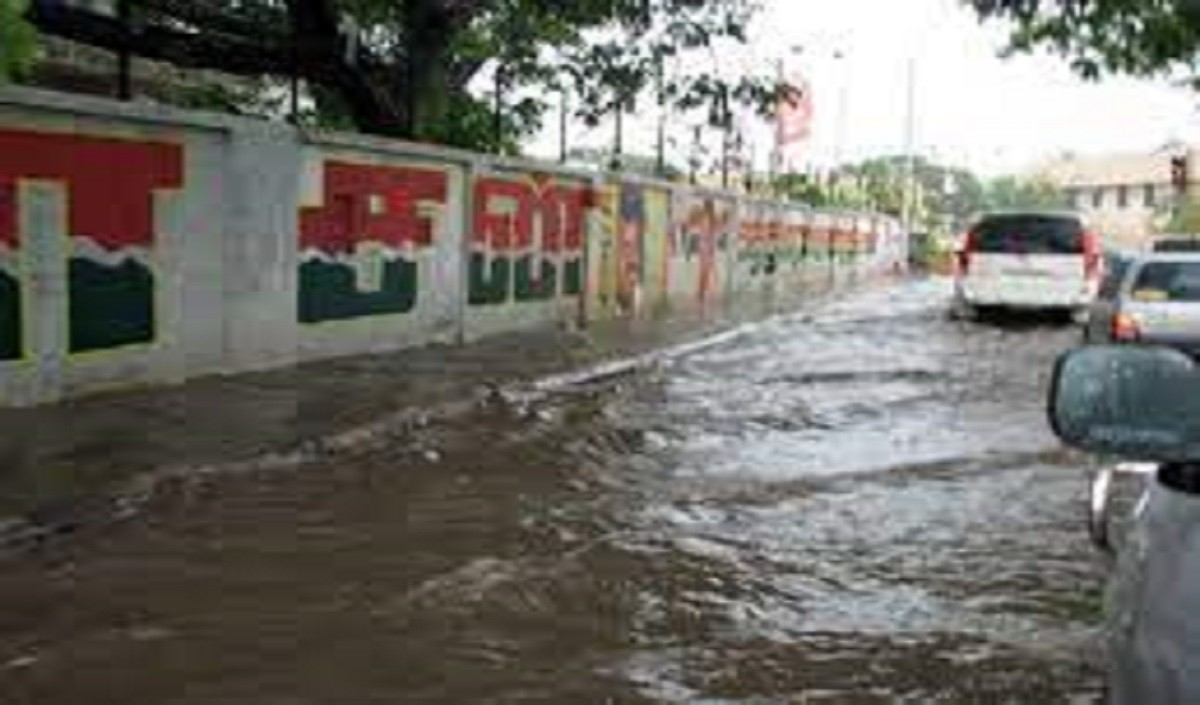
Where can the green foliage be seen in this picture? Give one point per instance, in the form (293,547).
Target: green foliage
(406,68)
(1186,219)
(1137,37)
(1009,192)
(944,198)
(803,188)
(602,160)
(18,41)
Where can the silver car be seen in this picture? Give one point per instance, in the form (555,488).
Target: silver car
(1155,301)
(1142,403)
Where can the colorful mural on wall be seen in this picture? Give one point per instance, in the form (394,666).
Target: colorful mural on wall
(655,248)
(760,240)
(628,250)
(703,246)
(844,240)
(360,246)
(820,237)
(527,239)
(110,226)
(795,235)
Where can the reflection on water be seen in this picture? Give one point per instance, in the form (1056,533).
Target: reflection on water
(859,507)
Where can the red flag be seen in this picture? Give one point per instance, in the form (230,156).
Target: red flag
(795,113)
(794,116)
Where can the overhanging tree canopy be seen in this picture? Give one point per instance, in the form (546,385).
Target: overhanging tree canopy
(402,67)
(1137,37)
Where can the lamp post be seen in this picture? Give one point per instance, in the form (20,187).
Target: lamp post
(124,57)
(843,107)
(660,87)
(909,147)
(563,111)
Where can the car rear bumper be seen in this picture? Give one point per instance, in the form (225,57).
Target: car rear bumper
(1027,297)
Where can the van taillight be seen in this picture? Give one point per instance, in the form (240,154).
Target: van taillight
(1125,328)
(1091,256)
(970,241)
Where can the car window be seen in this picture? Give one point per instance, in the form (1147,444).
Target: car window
(1029,235)
(1167,281)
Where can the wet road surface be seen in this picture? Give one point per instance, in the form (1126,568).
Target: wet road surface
(860,505)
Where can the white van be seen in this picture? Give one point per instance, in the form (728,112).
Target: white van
(1027,260)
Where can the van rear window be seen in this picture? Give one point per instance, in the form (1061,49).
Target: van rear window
(1029,235)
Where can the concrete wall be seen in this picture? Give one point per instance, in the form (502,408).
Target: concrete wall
(142,245)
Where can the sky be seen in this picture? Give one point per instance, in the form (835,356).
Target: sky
(971,108)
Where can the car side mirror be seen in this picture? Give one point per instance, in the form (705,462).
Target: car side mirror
(1135,402)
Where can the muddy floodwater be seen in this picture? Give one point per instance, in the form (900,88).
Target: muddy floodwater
(858,504)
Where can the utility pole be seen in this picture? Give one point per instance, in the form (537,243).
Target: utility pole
(724,158)
(726,126)
(660,161)
(843,108)
(124,57)
(562,125)
(498,109)
(909,147)
(619,136)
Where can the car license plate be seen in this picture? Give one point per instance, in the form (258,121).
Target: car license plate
(1024,273)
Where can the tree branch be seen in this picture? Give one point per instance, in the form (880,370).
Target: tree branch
(314,58)
(206,19)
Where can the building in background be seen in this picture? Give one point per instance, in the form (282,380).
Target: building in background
(1129,197)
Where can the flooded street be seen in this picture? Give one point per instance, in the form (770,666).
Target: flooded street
(860,504)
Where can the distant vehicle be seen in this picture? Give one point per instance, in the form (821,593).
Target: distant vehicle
(1142,403)
(1176,243)
(1155,302)
(1027,260)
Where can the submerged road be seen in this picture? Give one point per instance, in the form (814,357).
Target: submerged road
(861,504)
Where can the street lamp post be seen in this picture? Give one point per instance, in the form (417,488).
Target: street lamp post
(124,56)
(910,139)
(498,108)
(563,118)
(660,151)
(843,107)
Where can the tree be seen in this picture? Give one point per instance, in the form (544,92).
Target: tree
(403,67)
(18,40)
(944,197)
(1136,37)
(602,160)
(1185,219)
(1009,192)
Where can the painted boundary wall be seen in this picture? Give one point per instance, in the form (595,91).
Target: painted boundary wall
(146,245)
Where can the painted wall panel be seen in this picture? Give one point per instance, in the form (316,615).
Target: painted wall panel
(525,262)
(110,186)
(142,244)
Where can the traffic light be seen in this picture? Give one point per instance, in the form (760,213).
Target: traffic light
(1179,172)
